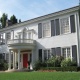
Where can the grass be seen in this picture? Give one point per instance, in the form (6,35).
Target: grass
(40,76)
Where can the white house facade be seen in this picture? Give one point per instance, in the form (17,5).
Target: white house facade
(40,38)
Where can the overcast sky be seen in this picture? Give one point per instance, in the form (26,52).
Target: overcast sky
(28,9)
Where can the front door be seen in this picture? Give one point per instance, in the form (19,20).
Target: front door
(25,60)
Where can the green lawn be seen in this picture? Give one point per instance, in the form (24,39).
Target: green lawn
(40,76)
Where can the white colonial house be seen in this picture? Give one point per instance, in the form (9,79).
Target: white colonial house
(40,38)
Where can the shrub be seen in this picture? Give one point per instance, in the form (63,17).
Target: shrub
(71,68)
(67,62)
(3,65)
(55,61)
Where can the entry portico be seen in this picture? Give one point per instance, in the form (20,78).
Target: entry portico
(22,53)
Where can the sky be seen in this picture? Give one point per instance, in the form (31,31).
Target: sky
(29,9)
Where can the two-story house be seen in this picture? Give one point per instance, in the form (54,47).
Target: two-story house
(40,38)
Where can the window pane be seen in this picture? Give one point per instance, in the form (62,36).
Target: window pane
(49,54)
(64,52)
(64,23)
(68,52)
(46,29)
(8,36)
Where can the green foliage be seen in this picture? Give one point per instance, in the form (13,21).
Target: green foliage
(71,68)
(3,20)
(13,19)
(55,61)
(39,64)
(3,65)
(67,62)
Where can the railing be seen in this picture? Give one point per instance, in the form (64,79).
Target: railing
(15,41)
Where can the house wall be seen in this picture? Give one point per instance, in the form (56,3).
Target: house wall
(62,40)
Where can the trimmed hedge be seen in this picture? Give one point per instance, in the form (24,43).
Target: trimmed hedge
(72,68)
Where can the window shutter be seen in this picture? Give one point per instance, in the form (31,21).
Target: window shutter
(72,23)
(58,51)
(52,28)
(57,27)
(53,51)
(74,52)
(40,54)
(40,30)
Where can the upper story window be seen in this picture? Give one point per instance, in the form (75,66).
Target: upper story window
(8,36)
(2,41)
(64,24)
(46,28)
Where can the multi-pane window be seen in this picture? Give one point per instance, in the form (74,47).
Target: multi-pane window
(47,54)
(46,29)
(66,52)
(2,40)
(8,36)
(64,24)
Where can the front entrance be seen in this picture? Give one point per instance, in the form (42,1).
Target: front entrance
(25,60)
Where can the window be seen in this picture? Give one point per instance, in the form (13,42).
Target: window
(66,52)
(29,35)
(47,54)
(8,36)
(64,23)
(46,29)
(2,41)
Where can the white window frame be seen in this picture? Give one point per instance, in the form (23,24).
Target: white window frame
(66,51)
(49,26)
(60,25)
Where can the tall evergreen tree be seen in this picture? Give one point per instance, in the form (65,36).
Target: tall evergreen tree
(13,19)
(3,20)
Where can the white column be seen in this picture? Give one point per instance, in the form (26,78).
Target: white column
(18,59)
(13,60)
(5,38)
(78,39)
(32,60)
(9,60)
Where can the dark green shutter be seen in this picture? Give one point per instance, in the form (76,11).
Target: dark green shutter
(40,54)
(57,27)
(52,28)
(72,23)
(74,52)
(40,30)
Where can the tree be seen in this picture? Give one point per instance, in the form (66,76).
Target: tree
(13,19)
(3,20)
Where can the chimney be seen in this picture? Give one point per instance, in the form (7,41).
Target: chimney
(8,23)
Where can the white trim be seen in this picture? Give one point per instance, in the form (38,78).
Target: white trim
(48,21)
(67,16)
(66,51)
